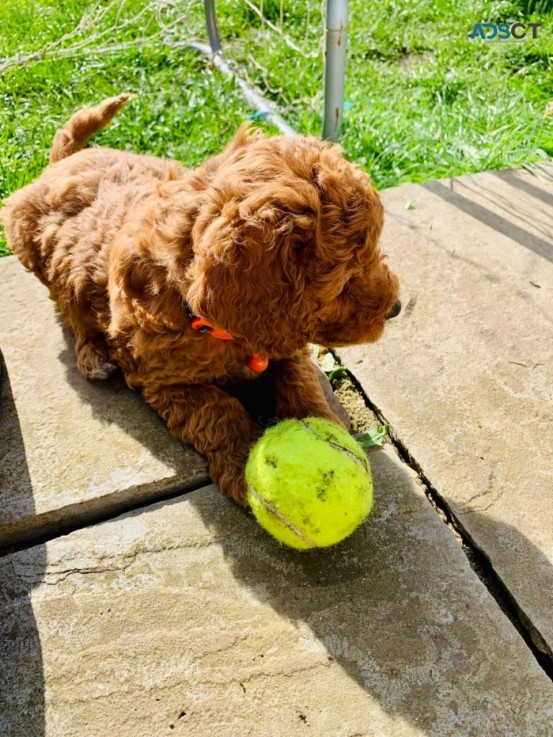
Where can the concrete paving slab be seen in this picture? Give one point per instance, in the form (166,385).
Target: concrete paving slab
(70,448)
(185,618)
(465,374)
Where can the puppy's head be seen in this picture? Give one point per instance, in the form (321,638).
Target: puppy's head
(286,247)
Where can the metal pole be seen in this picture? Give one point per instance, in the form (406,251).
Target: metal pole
(335,66)
(212,32)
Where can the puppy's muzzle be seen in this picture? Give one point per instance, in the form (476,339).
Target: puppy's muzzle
(394,312)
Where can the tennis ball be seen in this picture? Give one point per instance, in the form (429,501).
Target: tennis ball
(308,483)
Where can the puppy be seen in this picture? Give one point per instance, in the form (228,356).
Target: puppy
(195,280)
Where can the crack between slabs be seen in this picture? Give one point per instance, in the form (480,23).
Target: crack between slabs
(61,528)
(477,558)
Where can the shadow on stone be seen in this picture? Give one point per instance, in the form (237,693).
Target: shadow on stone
(398,608)
(486,216)
(515,179)
(21,699)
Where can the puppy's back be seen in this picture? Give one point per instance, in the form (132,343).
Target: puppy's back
(77,205)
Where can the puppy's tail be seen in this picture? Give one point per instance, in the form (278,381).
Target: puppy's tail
(84,124)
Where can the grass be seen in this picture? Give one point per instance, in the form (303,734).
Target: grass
(423,101)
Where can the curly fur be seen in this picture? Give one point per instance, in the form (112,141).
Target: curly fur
(274,240)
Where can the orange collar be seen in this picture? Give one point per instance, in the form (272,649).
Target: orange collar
(204,326)
(256,363)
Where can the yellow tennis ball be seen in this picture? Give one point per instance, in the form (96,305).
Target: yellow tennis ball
(308,483)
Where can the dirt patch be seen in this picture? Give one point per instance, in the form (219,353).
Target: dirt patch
(353,402)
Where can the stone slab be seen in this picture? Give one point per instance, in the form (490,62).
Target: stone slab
(185,618)
(465,374)
(70,448)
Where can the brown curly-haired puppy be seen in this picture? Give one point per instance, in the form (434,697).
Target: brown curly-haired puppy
(190,280)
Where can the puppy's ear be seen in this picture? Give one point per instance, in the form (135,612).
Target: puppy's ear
(248,274)
(352,214)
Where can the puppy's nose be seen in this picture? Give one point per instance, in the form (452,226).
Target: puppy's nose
(394,312)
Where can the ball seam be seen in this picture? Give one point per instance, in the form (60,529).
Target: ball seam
(271,508)
(337,446)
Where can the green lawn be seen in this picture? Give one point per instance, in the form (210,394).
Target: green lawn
(423,100)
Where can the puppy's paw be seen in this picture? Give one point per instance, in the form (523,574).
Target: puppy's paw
(93,361)
(100,372)
(232,483)
(229,477)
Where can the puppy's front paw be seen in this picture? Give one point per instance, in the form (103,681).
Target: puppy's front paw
(227,470)
(232,483)
(100,372)
(93,361)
